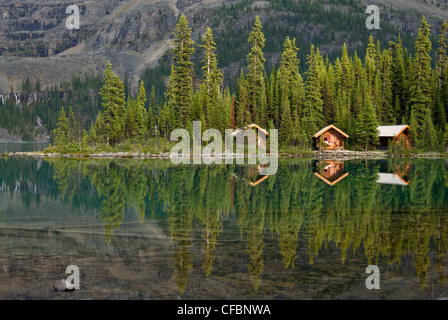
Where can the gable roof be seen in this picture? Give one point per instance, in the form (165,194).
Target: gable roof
(321,132)
(253,125)
(391,131)
(391,178)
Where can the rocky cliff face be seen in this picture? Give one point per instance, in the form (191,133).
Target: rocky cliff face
(35,42)
(132,34)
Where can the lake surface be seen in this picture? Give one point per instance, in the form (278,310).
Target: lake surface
(22,147)
(147,229)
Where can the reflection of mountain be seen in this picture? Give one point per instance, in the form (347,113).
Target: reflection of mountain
(331,171)
(291,211)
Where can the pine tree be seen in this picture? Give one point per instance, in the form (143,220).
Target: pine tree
(290,83)
(442,58)
(428,136)
(152,113)
(180,88)
(312,108)
(141,116)
(62,130)
(212,76)
(421,87)
(286,126)
(370,63)
(114,113)
(273,99)
(399,82)
(442,76)
(72,127)
(387,109)
(242,103)
(255,76)
(367,124)
(328,95)
(131,127)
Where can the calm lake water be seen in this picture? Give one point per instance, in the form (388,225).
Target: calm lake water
(147,229)
(22,147)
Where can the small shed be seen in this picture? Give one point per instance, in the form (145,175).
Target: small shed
(330,138)
(397,134)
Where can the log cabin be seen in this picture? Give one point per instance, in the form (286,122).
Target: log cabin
(330,138)
(259,138)
(397,134)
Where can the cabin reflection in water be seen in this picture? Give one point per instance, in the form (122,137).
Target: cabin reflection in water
(400,177)
(257,175)
(331,171)
(254,176)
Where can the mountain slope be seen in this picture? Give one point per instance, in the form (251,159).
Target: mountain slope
(133,34)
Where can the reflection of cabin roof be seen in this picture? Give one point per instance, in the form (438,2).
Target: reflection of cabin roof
(253,184)
(391,178)
(328,181)
(321,132)
(391,131)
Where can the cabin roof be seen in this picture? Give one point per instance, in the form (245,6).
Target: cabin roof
(321,132)
(391,131)
(253,125)
(391,178)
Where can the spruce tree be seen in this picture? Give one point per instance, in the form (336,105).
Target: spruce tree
(367,124)
(113,103)
(286,127)
(370,63)
(399,82)
(387,108)
(312,108)
(442,58)
(255,76)
(421,87)
(290,83)
(141,116)
(180,88)
(62,130)
(152,113)
(212,76)
(72,126)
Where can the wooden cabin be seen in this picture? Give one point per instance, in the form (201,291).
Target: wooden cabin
(331,171)
(397,134)
(330,138)
(261,139)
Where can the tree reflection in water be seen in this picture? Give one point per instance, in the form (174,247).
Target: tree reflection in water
(360,212)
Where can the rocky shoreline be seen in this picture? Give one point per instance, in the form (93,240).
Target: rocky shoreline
(321,155)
